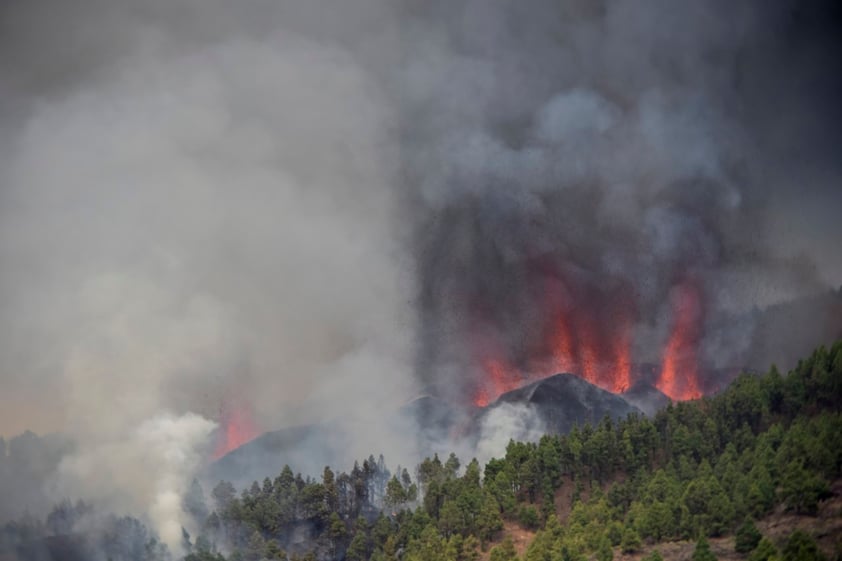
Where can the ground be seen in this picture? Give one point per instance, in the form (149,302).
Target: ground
(521,538)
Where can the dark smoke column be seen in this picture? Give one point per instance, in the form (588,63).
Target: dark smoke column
(589,188)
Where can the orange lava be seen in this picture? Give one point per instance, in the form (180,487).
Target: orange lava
(236,427)
(589,359)
(562,345)
(588,331)
(500,378)
(596,348)
(621,369)
(679,369)
(622,364)
(578,347)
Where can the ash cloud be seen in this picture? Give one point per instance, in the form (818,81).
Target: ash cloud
(609,152)
(325,209)
(195,202)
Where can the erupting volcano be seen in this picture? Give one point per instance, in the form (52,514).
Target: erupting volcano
(588,331)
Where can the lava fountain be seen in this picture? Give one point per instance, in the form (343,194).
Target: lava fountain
(236,426)
(680,366)
(586,331)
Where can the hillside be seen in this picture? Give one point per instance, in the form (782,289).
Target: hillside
(765,453)
(756,467)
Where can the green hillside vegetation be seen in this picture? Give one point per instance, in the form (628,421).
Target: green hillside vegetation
(696,470)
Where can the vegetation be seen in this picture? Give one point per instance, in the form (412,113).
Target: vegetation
(699,469)
(747,537)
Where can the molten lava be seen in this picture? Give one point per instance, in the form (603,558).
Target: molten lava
(584,355)
(588,331)
(592,341)
(562,344)
(679,369)
(236,427)
(621,380)
(500,378)
(602,359)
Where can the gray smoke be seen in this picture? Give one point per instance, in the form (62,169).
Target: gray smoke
(585,160)
(326,208)
(195,202)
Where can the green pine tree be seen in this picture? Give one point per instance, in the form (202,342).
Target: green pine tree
(801,547)
(747,537)
(702,551)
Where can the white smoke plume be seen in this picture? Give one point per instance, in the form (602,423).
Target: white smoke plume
(151,466)
(506,422)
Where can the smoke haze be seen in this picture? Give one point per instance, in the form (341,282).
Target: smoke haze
(323,209)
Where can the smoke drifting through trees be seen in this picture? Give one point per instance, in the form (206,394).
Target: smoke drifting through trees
(340,204)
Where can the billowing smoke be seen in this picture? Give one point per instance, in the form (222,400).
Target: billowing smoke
(315,210)
(151,467)
(196,208)
(503,424)
(599,185)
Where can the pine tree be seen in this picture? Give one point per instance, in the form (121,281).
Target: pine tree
(256,547)
(358,548)
(336,530)
(764,551)
(470,549)
(504,552)
(801,547)
(605,552)
(223,494)
(654,555)
(702,551)
(489,521)
(631,541)
(395,493)
(747,537)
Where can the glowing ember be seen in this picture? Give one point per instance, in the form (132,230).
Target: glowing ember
(236,427)
(679,370)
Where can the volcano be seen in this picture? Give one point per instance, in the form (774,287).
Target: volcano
(563,401)
(554,404)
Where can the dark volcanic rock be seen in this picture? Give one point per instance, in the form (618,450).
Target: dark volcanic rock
(646,397)
(564,400)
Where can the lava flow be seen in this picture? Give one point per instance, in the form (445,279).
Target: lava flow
(236,427)
(679,370)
